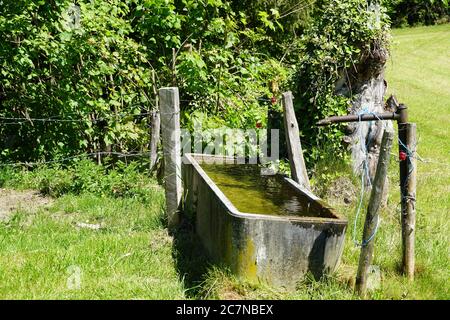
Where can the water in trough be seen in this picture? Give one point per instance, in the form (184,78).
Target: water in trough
(251,192)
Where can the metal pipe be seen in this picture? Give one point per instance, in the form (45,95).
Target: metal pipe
(363,117)
(402,112)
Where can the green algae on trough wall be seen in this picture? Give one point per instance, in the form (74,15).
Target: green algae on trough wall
(251,192)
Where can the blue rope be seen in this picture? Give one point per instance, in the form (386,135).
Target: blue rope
(366,242)
(365,175)
(410,156)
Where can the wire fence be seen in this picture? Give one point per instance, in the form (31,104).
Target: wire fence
(7,121)
(20,120)
(78,118)
(58,118)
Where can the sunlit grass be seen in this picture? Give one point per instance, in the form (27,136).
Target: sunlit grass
(129,258)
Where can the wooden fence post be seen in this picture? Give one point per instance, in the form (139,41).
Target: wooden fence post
(408,173)
(372,217)
(294,146)
(171,136)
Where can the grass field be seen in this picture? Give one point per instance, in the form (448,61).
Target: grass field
(47,255)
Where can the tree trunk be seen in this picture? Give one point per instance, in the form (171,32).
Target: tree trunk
(366,137)
(366,87)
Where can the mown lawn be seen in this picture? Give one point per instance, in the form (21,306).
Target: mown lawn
(419,75)
(46,255)
(42,254)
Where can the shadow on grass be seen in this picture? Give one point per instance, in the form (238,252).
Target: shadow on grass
(191,261)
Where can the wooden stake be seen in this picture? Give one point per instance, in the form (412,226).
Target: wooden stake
(371,224)
(174,65)
(408,173)
(171,138)
(294,146)
(155,126)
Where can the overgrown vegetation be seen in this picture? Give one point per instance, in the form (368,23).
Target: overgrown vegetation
(91,66)
(341,38)
(88,71)
(84,176)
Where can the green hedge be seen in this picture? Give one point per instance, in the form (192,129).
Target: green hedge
(417,12)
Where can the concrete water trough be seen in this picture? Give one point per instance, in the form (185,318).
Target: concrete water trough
(265,229)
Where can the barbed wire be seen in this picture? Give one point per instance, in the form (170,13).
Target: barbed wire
(58,118)
(22,120)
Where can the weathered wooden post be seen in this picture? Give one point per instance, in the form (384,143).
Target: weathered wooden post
(294,146)
(371,224)
(171,139)
(408,172)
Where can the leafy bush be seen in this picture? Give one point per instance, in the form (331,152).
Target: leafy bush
(228,58)
(97,71)
(53,66)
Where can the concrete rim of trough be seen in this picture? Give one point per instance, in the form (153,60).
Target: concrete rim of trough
(192,159)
